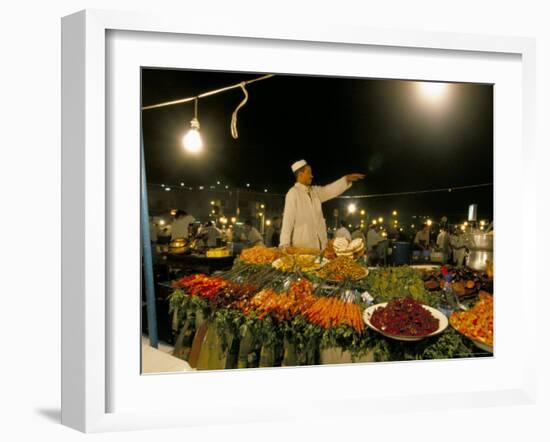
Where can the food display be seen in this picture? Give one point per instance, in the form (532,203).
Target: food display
(464,281)
(291,250)
(404,317)
(353,248)
(329,252)
(386,284)
(333,312)
(283,306)
(476,323)
(260,255)
(304,306)
(341,268)
(302,263)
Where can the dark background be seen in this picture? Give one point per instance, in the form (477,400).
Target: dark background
(383,128)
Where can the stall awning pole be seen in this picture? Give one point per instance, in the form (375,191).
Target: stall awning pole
(147,255)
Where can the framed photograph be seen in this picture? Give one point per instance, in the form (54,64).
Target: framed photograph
(266,219)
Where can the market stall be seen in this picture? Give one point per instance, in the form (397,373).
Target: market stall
(299,307)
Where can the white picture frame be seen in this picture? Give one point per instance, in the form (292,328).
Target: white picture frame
(87,207)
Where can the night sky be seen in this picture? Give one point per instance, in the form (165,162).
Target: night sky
(384,128)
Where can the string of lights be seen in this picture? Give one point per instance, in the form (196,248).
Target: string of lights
(228,188)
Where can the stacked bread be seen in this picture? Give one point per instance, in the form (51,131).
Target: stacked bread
(353,248)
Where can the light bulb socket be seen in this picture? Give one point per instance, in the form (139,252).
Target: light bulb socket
(195,124)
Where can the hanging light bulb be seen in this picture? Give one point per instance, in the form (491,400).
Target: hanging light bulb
(192,141)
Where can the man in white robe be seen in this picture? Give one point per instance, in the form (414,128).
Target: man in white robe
(303,220)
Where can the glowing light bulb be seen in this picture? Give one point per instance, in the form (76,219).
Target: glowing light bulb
(192,141)
(352,208)
(432,91)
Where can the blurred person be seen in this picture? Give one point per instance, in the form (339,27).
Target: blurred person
(373,238)
(422,238)
(273,233)
(253,237)
(180,227)
(443,243)
(343,232)
(211,234)
(358,233)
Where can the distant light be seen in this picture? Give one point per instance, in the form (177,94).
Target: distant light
(162,222)
(247,185)
(362,211)
(482,223)
(352,208)
(173,212)
(233,219)
(401,229)
(162,185)
(465,223)
(218,183)
(260,214)
(212,202)
(223,220)
(432,91)
(265,190)
(374,221)
(167,189)
(349,225)
(182,184)
(463,228)
(212,187)
(482,227)
(190,188)
(429,222)
(227,187)
(201,187)
(380,219)
(384,234)
(394,213)
(412,226)
(213,211)
(262,206)
(267,222)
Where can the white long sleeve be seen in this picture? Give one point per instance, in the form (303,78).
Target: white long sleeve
(289,218)
(332,190)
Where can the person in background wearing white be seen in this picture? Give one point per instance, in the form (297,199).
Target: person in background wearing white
(180,227)
(443,243)
(458,248)
(212,234)
(343,232)
(253,237)
(422,238)
(373,238)
(303,221)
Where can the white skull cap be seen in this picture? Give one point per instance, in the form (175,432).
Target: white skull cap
(298,165)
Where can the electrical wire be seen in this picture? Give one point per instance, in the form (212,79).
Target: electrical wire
(234,132)
(206,94)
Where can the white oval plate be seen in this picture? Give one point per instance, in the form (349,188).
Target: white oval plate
(443,323)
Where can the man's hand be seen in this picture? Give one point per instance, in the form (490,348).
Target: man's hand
(354,177)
